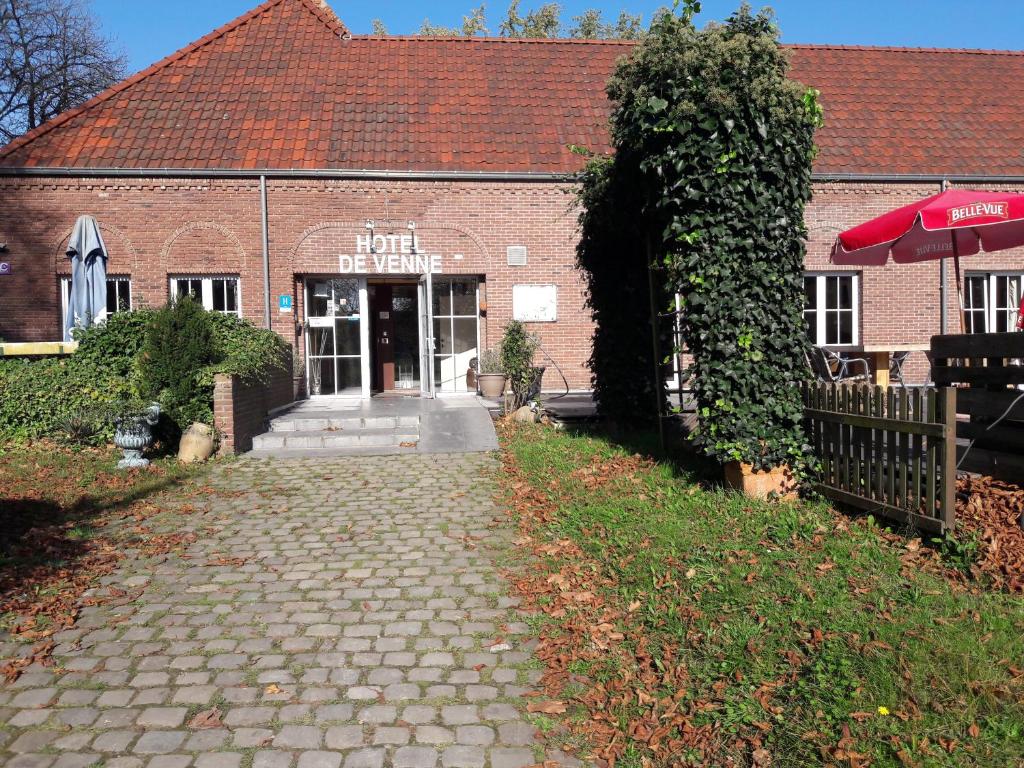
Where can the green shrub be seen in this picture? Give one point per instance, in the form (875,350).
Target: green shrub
(244,350)
(73,397)
(612,259)
(178,346)
(43,397)
(517,350)
(113,346)
(490,362)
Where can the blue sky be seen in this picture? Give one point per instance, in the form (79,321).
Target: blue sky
(148,30)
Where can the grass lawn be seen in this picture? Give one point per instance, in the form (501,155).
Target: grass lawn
(67,516)
(693,626)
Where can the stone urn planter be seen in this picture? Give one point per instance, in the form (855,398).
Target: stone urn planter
(133,433)
(760,484)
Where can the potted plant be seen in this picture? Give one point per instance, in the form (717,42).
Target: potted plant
(133,430)
(779,481)
(491,379)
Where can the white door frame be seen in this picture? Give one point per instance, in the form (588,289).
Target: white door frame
(364,334)
(364,338)
(425,299)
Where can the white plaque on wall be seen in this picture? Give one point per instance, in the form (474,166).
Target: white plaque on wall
(535,303)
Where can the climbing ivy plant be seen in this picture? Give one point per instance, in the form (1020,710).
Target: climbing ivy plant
(707,185)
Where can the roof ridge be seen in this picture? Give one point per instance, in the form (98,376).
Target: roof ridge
(326,14)
(905,49)
(335,26)
(493,39)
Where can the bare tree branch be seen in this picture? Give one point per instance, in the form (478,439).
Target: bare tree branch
(53,57)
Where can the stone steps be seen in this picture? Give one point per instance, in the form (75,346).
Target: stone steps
(343,423)
(336,438)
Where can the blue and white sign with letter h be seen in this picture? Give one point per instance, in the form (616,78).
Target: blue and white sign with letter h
(284,304)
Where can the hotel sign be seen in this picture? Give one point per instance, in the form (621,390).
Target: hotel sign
(388,255)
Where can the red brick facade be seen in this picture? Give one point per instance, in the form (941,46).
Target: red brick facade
(159,227)
(156,228)
(240,408)
(899,303)
(452,112)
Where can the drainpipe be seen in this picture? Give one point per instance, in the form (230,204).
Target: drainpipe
(942,279)
(266,252)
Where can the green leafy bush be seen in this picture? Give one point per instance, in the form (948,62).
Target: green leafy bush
(611,256)
(490,362)
(114,346)
(44,397)
(518,348)
(74,397)
(708,184)
(177,347)
(244,350)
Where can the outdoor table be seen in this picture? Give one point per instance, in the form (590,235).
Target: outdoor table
(879,354)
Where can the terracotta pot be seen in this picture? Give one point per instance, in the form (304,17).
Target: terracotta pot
(196,444)
(759,484)
(492,385)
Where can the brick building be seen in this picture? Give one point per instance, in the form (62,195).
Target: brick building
(387,204)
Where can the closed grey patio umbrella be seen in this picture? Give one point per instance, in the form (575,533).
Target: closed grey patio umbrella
(87,297)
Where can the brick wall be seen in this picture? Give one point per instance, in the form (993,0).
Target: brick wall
(899,302)
(154,228)
(240,409)
(157,227)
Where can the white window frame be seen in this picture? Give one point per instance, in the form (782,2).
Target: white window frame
(363,317)
(822,309)
(453,386)
(65,292)
(990,310)
(207,291)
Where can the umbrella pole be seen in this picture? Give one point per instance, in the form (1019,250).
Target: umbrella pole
(959,285)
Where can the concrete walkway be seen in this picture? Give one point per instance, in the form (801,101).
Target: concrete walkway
(379,426)
(338,613)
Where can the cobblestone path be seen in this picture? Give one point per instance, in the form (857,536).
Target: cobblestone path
(337,612)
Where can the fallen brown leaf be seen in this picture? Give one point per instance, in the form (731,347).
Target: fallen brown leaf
(208,718)
(547,707)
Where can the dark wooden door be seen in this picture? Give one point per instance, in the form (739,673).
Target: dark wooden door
(383,327)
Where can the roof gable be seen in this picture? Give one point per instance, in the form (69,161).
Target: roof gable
(162,113)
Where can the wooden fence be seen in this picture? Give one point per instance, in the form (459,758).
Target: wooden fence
(983,367)
(891,452)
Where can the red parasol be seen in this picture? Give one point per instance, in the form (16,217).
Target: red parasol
(957,222)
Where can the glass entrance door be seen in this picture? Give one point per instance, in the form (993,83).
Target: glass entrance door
(425,299)
(455,310)
(336,336)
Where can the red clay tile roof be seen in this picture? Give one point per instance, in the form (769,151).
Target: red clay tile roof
(912,110)
(285,86)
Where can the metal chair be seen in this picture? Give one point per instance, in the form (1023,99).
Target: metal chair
(832,367)
(896,363)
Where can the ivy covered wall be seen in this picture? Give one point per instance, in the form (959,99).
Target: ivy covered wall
(712,165)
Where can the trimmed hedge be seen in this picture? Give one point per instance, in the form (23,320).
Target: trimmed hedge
(42,397)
